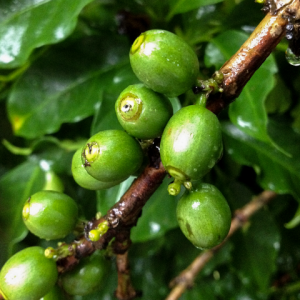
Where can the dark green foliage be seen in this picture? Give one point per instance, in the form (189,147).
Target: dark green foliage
(50,215)
(56,293)
(28,275)
(142,112)
(156,59)
(204,216)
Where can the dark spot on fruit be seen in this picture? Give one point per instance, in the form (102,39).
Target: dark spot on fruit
(189,228)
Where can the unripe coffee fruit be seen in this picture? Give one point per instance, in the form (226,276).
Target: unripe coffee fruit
(191,143)
(204,216)
(50,215)
(86,277)
(142,112)
(164,62)
(112,155)
(84,179)
(28,275)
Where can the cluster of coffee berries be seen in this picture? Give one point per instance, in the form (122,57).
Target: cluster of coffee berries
(191,144)
(30,275)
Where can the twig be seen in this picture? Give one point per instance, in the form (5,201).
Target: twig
(241,216)
(241,66)
(125,290)
(122,216)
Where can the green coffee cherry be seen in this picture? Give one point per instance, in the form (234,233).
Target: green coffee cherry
(27,275)
(84,179)
(164,62)
(204,216)
(50,215)
(191,143)
(142,112)
(86,277)
(112,155)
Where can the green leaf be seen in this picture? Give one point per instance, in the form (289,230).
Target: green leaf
(105,116)
(66,85)
(182,6)
(154,221)
(158,216)
(279,99)
(223,47)
(107,198)
(295,220)
(26,25)
(248,111)
(275,171)
(255,256)
(15,187)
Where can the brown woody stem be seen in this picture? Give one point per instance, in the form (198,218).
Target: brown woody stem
(123,215)
(125,290)
(241,216)
(239,69)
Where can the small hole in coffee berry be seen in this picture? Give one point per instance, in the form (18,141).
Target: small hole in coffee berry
(126,108)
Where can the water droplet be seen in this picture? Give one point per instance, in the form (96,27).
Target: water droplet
(289,36)
(292,59)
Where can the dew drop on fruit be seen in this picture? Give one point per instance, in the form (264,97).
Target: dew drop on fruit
(292,59)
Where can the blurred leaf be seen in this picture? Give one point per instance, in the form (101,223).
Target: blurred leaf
(248,111)
(200,25)
(66,85)
(256,254)
(153,282)
(27,24)
(201,291)
(295,221)
(222,47)
(296,115)
(275,171)
(53,182)
(15,187)
(67,145)
(16,150)
(107,198)
(158,216)
(154,221)
(105,116)
(182,6)
(279,99)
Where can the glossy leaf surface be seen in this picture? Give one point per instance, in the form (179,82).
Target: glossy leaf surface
(26,25)
(275,170)
(57,89)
